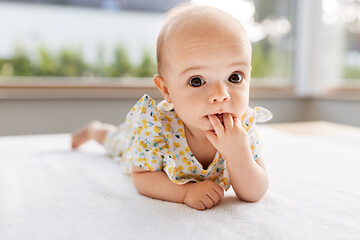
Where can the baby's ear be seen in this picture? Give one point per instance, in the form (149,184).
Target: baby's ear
(161,84)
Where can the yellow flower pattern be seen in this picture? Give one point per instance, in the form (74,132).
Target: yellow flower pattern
(153,137)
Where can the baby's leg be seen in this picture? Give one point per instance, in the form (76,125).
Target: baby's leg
(93,130)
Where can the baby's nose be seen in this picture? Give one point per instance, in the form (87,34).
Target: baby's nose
(219,94)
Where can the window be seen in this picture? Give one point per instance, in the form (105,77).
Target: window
(63,41)
(342,19)
(325,48)
(311,45)
(57,40)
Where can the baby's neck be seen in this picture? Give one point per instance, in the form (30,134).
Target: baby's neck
(195,134)
(200,146)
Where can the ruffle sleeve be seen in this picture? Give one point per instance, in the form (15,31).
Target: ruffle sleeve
(148,143)
(262,114)
(252,116)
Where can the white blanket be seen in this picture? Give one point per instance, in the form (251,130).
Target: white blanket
(48,191)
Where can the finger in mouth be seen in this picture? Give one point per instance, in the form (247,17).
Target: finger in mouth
(220,117)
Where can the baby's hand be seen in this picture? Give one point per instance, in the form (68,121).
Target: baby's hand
(93,130)
(229,139)
(204,195)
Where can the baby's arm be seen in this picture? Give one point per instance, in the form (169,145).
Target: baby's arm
(201,195)
(248,178)
(93,130)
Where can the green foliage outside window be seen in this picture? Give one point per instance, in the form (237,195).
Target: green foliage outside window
(70,62)
(267,62)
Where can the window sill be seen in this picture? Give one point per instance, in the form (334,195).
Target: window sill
(342,93)
(76,88)
(86,91)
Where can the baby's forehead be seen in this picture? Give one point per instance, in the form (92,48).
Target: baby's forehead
(204,23)
(203,20)
(188,25)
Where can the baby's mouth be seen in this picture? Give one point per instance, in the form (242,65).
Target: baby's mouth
(220,117)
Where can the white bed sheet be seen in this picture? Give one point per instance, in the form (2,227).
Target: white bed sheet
(48,191)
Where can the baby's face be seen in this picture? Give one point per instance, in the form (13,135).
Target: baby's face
(208,73)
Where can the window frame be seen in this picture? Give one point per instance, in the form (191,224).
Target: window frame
(307,77)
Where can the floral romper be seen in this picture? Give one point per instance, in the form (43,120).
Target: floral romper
(153,137)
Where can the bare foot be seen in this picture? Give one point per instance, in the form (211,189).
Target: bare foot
(84,134)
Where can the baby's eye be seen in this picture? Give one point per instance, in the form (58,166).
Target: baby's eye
(196,82)
(236,77)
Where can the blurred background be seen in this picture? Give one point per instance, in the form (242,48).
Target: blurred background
(66,62)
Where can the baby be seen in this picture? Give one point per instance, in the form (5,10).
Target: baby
(201,139)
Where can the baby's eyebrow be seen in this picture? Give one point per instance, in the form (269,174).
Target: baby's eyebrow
(192,69)
(243,63)
(246,64)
